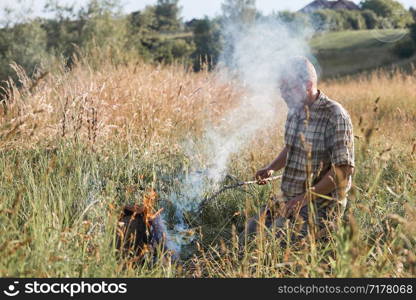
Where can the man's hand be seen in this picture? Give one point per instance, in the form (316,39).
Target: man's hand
(263,174)
(277,164)
(293,206)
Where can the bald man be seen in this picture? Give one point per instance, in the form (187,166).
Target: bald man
(318,156)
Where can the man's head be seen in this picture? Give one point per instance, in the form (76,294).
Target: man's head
(298,82)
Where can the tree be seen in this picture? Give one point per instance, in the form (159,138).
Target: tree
(370,18)
(24,44)
(143,31)
(104,27)
(63,30)
(404,49)
(168,50)
(393,13)
(407,47)
(208,44)
(320,20)
(145,34)
(239,11)
(167,14)
(353,20)
(292,20)
(144,21)
(413,32)
(413,12)
(286,16)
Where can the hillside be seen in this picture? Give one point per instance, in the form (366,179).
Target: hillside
(350,52)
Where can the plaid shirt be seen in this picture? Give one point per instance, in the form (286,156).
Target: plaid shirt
(317,137)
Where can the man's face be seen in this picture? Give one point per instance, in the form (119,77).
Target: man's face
(293,92)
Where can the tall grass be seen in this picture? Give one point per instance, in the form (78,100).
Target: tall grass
(78,144)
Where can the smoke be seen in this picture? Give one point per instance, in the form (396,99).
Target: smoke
(254,56)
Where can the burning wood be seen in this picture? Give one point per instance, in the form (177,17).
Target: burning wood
(139,229)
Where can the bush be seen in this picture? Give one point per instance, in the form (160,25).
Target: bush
(24,44)
(294,20)
(392,12)
(170,50)
(353,20)
(405,49)
(167,14)
(413,32)
(340,20)
(370,19)
(413,12)
(321,20)
(208,43)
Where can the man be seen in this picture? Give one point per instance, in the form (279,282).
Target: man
(318,156)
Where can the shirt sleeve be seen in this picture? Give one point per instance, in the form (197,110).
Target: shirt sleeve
(286,129)
(290,129)
(341,141)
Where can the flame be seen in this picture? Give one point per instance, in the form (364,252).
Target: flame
(149,213)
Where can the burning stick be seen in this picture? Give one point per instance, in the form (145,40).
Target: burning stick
(233,186)
(140,229)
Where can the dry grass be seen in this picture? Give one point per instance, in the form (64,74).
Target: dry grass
(154,102)
(396,109)
(76,145)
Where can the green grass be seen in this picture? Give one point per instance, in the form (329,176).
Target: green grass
(353,40)
(59,211)
(350,52)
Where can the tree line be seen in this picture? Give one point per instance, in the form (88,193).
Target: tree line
(101,32)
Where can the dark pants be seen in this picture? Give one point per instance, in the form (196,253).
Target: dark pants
(324,212)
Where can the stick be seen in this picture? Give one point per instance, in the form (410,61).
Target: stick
(233,186)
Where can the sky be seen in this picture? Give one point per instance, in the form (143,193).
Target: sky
(191,8)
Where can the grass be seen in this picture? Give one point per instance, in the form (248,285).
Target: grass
(351,40)
(351,52)
(78,145)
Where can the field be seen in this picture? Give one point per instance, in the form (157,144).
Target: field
(342,53)
(76,146)
(349,52)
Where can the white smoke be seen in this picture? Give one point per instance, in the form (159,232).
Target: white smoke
(255,56)
(259,53)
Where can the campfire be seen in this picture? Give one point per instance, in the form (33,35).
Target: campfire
(140,230)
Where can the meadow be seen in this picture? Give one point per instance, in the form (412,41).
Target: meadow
(77,145)
(349,52)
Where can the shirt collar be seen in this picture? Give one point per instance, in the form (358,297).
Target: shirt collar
(319,102)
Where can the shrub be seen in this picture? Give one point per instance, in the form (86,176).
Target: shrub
(370,19)
(207,42)
(405,49)
(413,32)
(352,20)
(171,50)
(24,44)
(392,12)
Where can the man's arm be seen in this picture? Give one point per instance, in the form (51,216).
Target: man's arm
(335,177)
(278,163)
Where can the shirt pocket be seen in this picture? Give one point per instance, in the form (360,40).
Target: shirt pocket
(315,135)
(291,131)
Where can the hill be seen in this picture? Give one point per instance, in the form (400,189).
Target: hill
(350,52)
